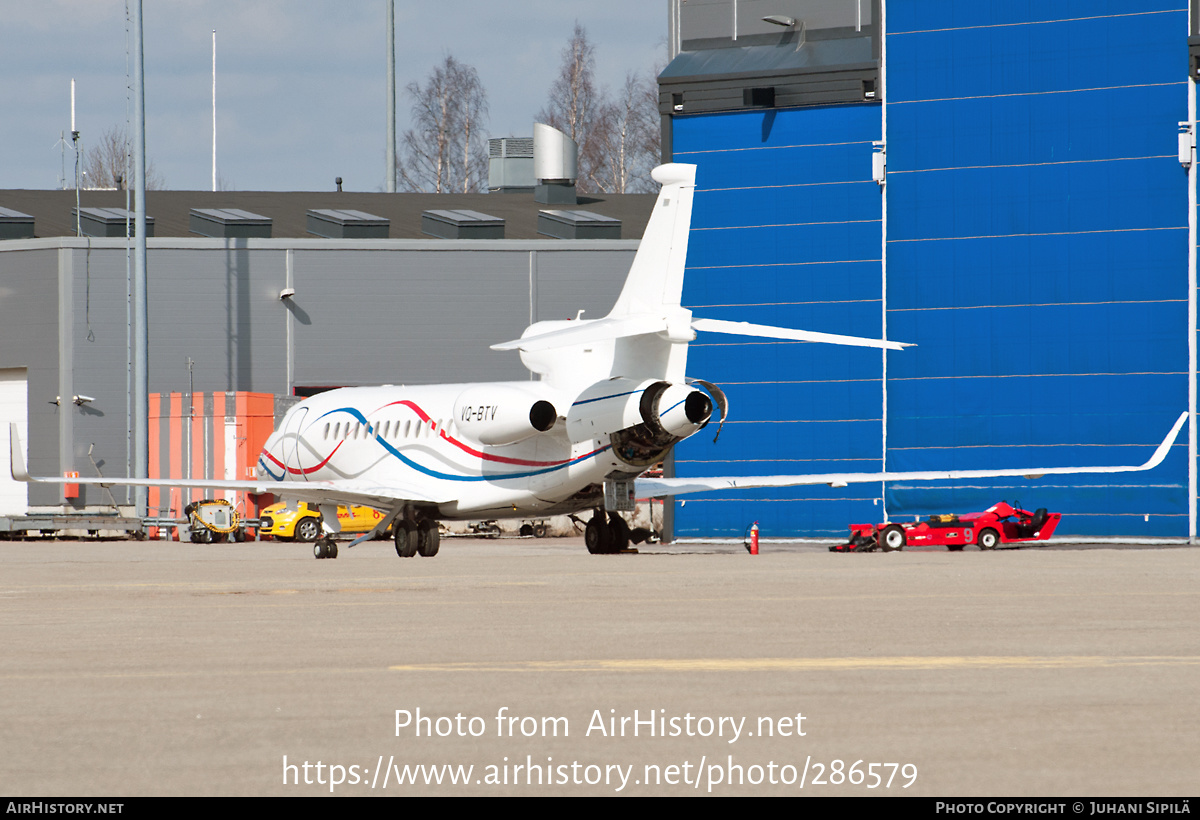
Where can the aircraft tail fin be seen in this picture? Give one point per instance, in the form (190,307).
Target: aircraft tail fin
(655,280)
(650,302)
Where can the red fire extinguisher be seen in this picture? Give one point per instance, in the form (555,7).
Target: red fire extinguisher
(754,538)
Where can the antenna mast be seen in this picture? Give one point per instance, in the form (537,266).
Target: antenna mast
(214,109)
(75,144)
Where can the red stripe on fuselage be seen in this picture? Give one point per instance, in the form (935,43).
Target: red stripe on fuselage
(302,471)
(466,448)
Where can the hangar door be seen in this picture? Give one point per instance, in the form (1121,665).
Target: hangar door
(14,392)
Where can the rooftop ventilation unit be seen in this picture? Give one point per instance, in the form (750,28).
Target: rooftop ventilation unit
(578,225)
(345,224)
(510,165)
(15,225)
(555,165)
(109,222)
(462,225)
(229,223)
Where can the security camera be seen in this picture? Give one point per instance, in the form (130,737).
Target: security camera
(82,400)
(287,293)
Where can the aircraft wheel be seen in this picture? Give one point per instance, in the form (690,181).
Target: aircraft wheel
(428,539)
(308,529)
(620,532)
(325,549)
(597,535)
(892,538)
(406,538)
(539,530)
(988,539)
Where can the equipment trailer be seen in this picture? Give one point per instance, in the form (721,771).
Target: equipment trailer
(999,524)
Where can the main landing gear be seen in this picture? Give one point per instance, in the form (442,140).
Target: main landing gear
(417,538)
(606,534)
(412,538)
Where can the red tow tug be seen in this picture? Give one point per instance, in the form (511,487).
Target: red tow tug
(998,524)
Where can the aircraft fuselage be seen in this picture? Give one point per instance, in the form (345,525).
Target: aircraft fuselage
(429,437)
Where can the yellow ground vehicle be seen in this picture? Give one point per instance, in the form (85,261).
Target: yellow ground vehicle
(304,523)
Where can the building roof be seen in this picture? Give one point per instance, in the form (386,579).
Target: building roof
(52,210)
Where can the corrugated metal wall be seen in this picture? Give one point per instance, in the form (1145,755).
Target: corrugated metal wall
(1036,251)
(786,230)
(206,435)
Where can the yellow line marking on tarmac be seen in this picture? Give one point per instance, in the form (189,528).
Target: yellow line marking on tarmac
(655,665)
(801,664)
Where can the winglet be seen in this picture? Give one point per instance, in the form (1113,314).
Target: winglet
(1161,452)
(16,456)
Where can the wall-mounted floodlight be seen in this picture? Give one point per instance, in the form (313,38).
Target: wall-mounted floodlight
(796,27)
(82,400)
(287,293)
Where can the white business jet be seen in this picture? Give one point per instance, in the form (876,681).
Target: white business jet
(613,398)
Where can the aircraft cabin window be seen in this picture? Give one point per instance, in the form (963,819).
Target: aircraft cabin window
(326,431)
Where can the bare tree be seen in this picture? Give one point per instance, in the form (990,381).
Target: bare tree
(108,163)
(574,105)
(627,137)
(618,137)
(444,150)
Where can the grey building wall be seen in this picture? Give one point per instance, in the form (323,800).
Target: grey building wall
(364,312)
(29,286)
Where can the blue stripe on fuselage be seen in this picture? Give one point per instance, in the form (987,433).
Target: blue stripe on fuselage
(355,413)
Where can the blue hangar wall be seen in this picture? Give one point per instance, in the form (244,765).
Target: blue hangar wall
(1031,238)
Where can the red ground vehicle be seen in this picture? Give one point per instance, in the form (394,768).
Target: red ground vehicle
(999,524)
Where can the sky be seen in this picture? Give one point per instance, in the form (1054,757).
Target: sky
(301,84)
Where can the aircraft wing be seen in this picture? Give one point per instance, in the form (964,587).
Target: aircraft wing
(367,493)
(656,487)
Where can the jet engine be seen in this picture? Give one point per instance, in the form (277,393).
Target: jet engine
(502,414)
(643,418)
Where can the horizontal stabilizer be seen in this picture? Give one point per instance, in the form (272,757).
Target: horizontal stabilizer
(768,332)
(657,487)
(588,331)
(617,327)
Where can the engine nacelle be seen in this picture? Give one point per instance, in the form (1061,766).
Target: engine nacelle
(502,414)
(643,417)
(679,409)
